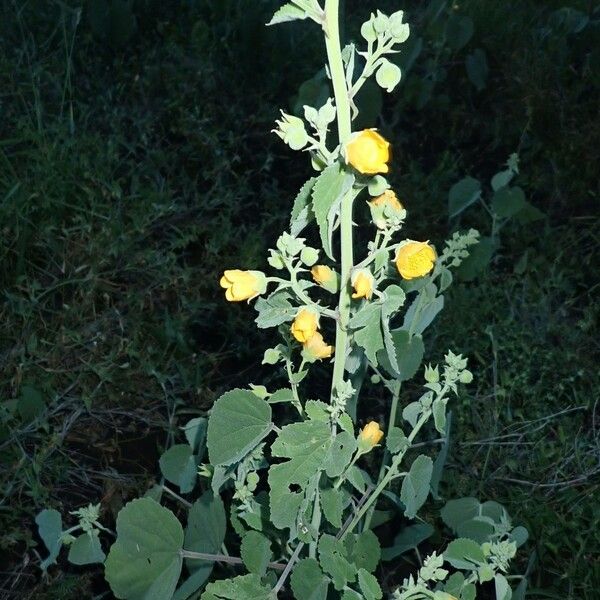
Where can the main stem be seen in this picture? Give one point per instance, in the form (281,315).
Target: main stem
(344,123)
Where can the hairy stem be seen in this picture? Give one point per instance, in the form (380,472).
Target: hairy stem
(286,571)
(336,69)
(225,558)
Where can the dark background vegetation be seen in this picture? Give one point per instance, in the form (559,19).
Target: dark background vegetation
(136,163)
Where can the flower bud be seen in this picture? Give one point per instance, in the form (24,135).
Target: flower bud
(384,207)
(415,259)
(315,348)
(369,437)
(368,152)
(305,325)
(432,374)
(466,376)
(327,278)
(362,282)
(242,285)
(292,131)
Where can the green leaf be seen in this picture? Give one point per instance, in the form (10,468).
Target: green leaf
(274,310)
(454,584)
(358,478)
(459,30)
(288,12)
(86,549)
(529,214)
(179,466)
(519,535)
(477,68)
(49,524)
(302,213)
(331,502)
(308,581)
(502,179)
(440,460)
(367,334)
(369,585)
(462,194)
(283,395)
(256,552)
(244,587)
(415,486)
(364,550)
(508,201)
(340,454)
(423,312)
(238,422)
(396,440)
(479,529)
(478,259)
(409,354)
(327,193)
(205,532)
(195,433)
(411,412)
(459,510)
(305,444)
(521,590)
(464,554)
(503,590)
(409,538)
(145,561)
(350,594)
(469,592)
(316,410)
(439,414)
(334,561)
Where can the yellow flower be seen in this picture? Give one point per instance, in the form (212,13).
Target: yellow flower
(370,435)
(368,152)
(362,282)
(242,285)
(388,197)
(415,259)
(305,325)
(316,349)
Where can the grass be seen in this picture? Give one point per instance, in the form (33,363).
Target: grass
(134,171)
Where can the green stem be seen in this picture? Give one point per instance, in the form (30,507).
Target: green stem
(296,402)
(342,104)
(392,472)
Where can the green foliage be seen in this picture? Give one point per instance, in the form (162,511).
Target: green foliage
(415,485)
(305,444)
(86,549)
(327,193)
(49,524)
(308,581)
(239,421)
(245,587)
(179,465)
(145,561)
(205,532)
